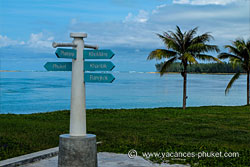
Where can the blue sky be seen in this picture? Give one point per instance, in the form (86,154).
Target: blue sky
(32,25)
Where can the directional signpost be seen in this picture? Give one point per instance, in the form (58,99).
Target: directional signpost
(98,77)
(98,66)
(66,53)
(77,140)
(88,54)
(98,54)
(88,66)
(58,66)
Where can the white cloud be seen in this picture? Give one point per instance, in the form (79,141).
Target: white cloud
(40,41)
(128,17)
(204,2)
(139,30)
(116,34)
(224,22)
(5,41)
(181,1)
(142,17)
(157,8)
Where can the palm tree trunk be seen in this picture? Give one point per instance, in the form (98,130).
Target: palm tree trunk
(248,87)
(184,87)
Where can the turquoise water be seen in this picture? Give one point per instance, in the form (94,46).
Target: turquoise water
(32,92)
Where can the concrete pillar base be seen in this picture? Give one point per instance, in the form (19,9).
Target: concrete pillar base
(76,151)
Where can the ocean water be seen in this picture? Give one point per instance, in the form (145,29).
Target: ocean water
(32,92)
(33,89)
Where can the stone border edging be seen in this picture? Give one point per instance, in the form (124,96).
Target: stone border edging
(29,158)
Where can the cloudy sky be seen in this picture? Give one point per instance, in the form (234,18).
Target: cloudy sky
(114,24)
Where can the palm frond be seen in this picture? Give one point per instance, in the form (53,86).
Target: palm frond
(179,33)
(201,47)
(247,47)
(212,48)
(190,34)
(159,54)
(206,37)
(228,56)
(230,84)
(207,57)
(169,41)
(248,44)
(178,38)
(239,43)
(190,58)
(233,50)
(166,65)
(236,62)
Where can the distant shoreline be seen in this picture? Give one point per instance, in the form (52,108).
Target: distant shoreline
(9,71)
(147,72)
(196,73)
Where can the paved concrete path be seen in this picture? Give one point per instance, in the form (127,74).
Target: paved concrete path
(106,160)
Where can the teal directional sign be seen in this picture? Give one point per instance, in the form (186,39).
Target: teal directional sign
(88,66)
(98,54)
(88,54)
(66,53)
(58,66)
(98,66)
(98,78)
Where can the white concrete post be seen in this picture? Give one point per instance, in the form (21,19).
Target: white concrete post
(77,140)
(78,104)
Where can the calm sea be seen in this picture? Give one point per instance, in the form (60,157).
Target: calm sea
(32,92)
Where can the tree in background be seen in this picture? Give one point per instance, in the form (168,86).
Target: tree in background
(211,68)
(239,54)
(186,48)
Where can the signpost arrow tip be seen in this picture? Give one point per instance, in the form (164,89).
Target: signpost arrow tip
(98,78)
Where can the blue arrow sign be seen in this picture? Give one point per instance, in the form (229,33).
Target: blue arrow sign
(98,66)
(66,53)
(88,66)
(58,66)
(98,54)
(88,54)
(98,78)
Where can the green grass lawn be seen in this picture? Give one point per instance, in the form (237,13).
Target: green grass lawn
(197,129)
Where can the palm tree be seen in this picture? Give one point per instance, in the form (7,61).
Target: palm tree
(239,54)
(186,48)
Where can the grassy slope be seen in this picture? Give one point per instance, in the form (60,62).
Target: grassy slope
(225,129)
